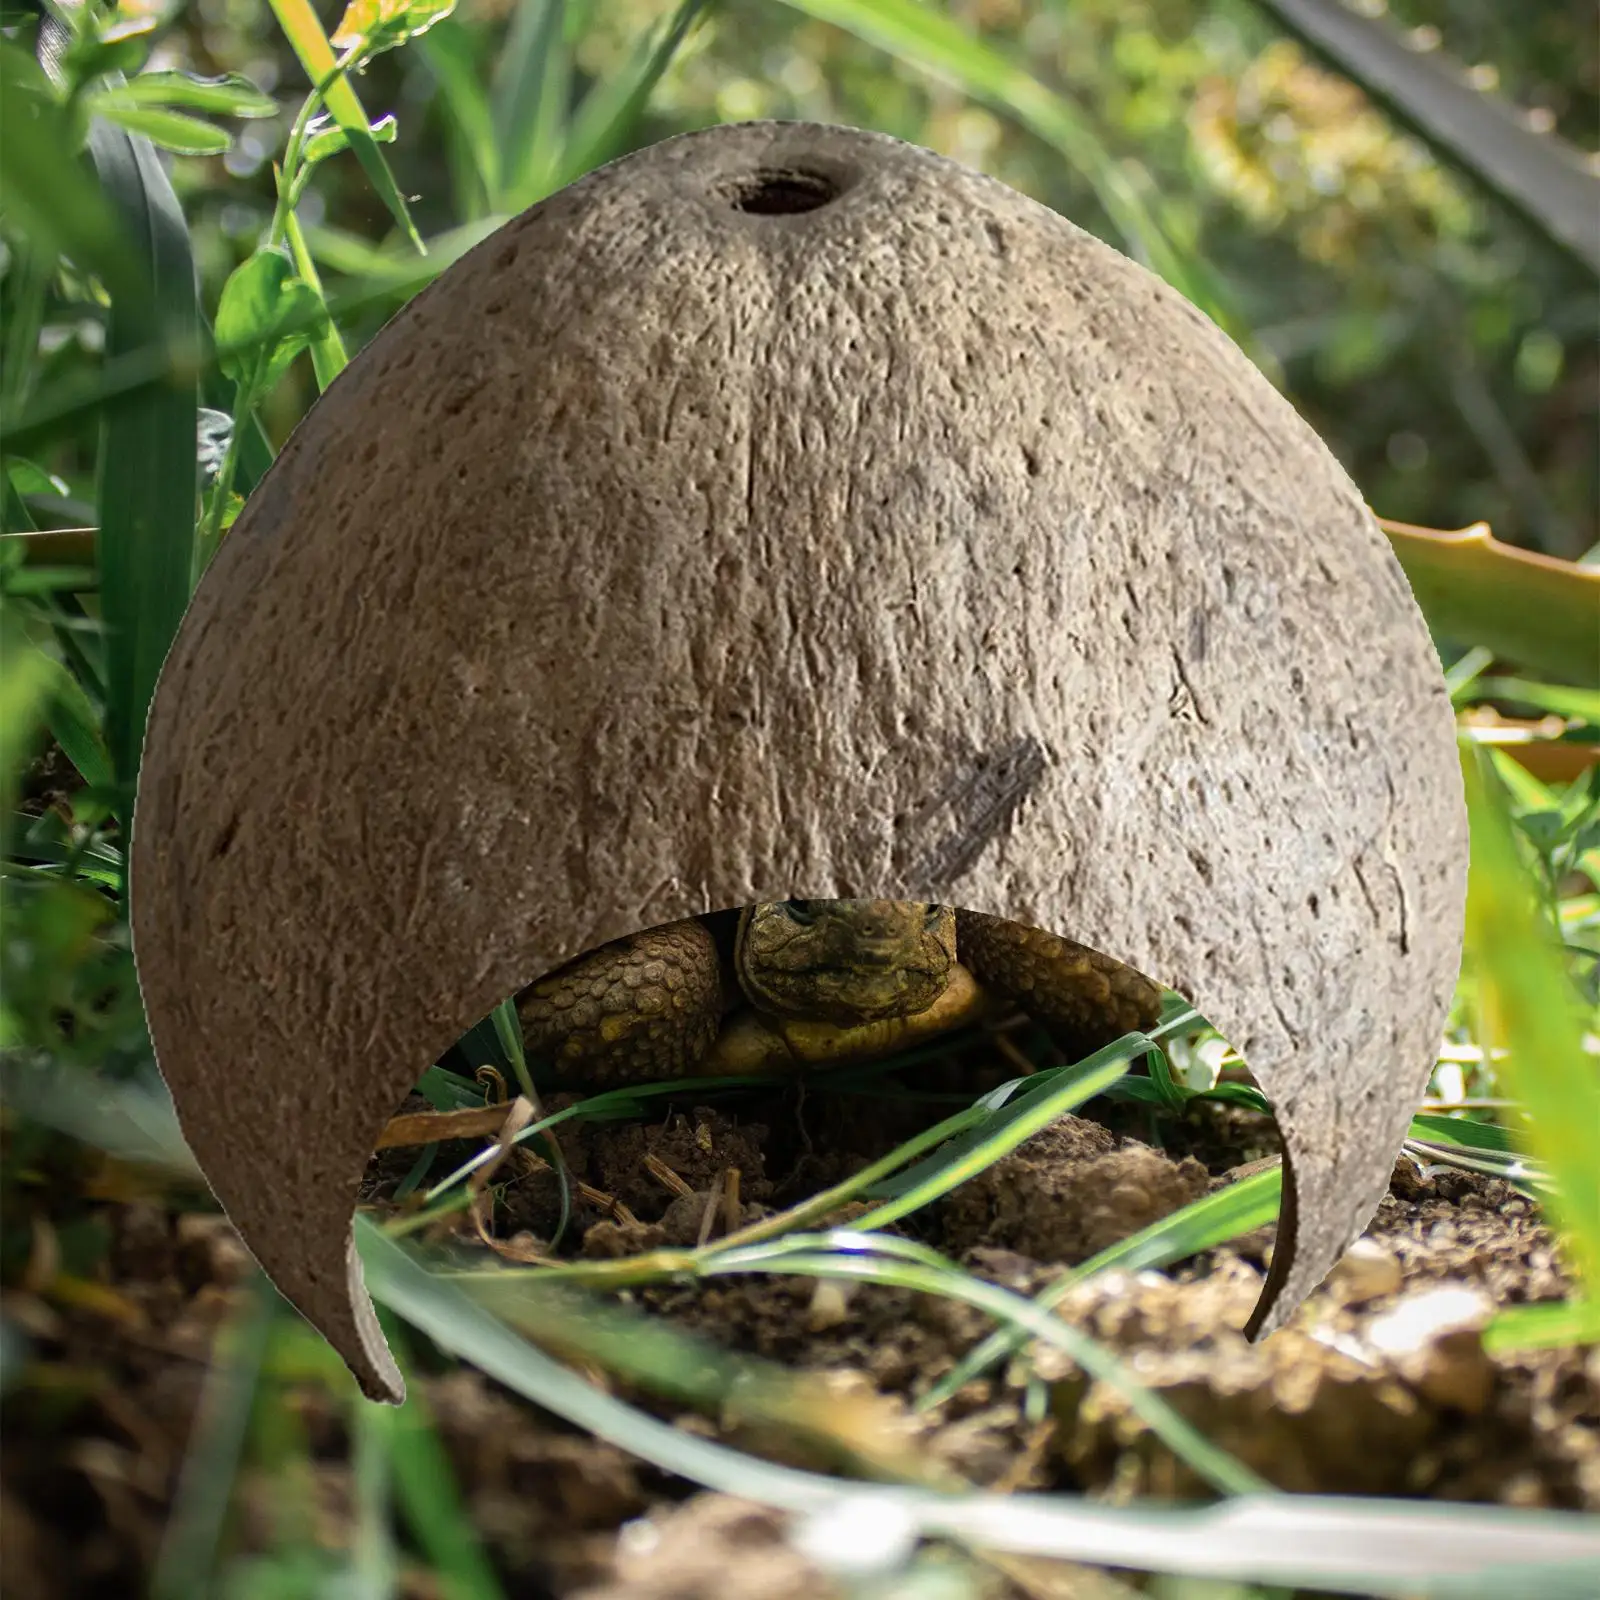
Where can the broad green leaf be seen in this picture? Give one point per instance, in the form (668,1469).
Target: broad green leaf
(171,130)
(148,487)
(45,188)
(260,301)
(304,33)
(370,26)
(1529,608)
(231,95)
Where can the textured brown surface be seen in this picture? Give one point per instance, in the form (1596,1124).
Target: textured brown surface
(672,553)
(644,1006)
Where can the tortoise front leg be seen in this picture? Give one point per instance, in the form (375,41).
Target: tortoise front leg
(643,1007)
(1083,998)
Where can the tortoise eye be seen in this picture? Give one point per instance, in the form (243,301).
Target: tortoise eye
(932,914)
(800,911)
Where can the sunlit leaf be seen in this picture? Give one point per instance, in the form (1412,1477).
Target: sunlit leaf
(328,139)
(1530,608)
(260,301)
(1529,1008)
(304,33)
(231,95)
(369,26)
(171,130)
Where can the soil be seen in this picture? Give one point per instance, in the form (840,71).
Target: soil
(1381,1385)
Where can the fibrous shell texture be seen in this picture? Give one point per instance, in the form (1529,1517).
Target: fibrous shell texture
(786,510)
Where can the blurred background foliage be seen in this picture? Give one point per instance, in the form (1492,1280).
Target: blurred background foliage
(1442,347)
(1440,340)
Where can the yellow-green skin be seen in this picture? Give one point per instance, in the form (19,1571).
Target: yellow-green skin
(790,984)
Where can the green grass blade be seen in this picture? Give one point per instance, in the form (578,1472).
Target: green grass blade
(46,190)
(148,475)
(925,37)
(605,118)
(1536,174)
(1550,1325)
(186,1563)
(24,696)
(1529,1007)
(310,44)
(1252,1202)
(374,1562)
(328,355)
(1314,1542)
(1008,1124)
(1031,1321)
(425,1490)
(529,98)
(448,51)
(75,723)
(1552,697)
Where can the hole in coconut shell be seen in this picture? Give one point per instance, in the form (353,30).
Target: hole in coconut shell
(783,192)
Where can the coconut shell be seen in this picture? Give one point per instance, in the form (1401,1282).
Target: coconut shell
(785,510)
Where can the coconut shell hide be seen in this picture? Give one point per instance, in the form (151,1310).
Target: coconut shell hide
(785,510)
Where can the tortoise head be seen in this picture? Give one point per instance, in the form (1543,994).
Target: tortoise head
(845,961)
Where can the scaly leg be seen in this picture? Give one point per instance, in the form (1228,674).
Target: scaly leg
(1083,998)
(644,1007)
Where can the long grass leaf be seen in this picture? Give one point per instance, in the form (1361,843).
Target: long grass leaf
(930,40)
(1444,1552)
(45,189)
(428,1497)
(310,44)
(1366,1546)
(531,81)
(1205,1223)
(608,113)
(148,476)
(1536,174)
(1529,1008)
(448,51)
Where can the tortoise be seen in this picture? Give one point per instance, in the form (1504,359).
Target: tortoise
(785,985)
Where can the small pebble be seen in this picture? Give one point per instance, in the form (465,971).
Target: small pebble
(1435,1341)
(1367,1271)
(856,1535)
